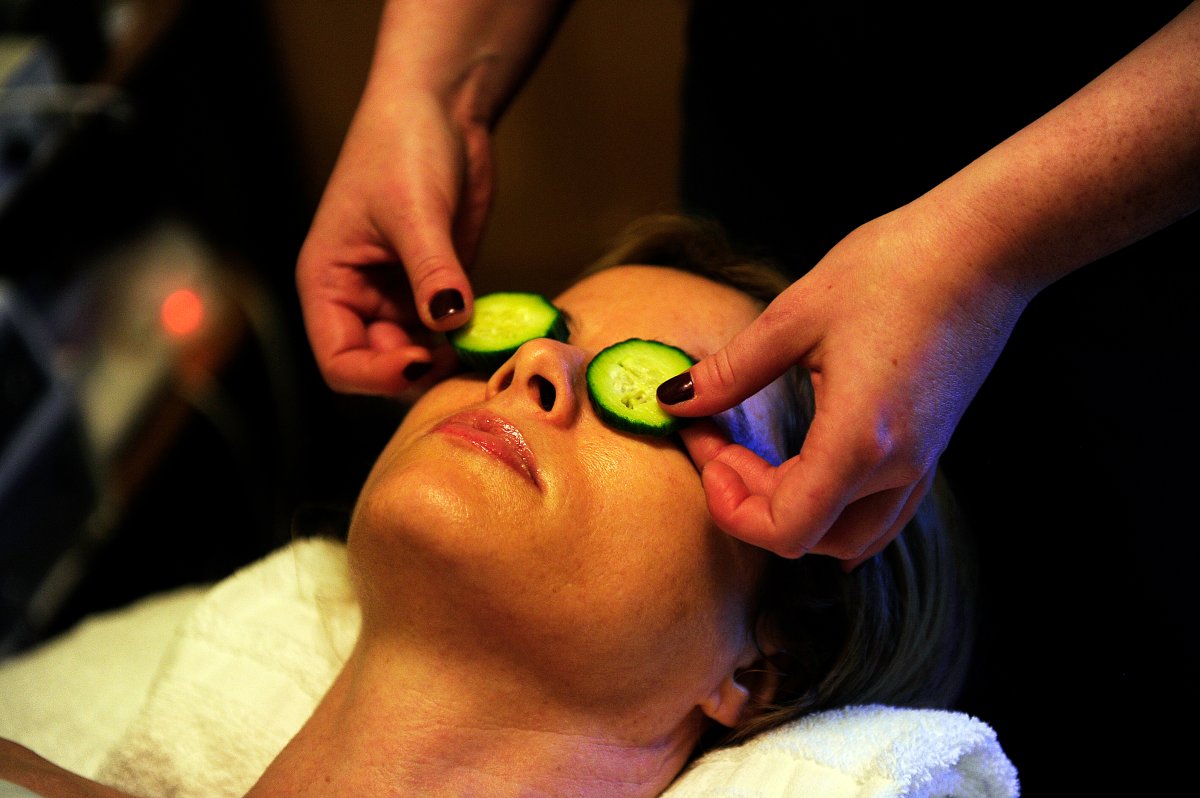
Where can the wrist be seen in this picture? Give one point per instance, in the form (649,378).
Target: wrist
(471,55)
(978,227)
(961,258)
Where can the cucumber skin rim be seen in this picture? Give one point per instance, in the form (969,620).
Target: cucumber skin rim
(614,419)
(488,360)
(492,359)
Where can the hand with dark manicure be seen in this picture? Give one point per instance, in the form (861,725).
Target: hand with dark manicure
(381,272)
(894,361)
(900,323)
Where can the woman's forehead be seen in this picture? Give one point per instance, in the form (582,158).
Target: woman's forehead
(655,302)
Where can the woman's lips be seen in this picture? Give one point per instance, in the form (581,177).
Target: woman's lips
(498,437)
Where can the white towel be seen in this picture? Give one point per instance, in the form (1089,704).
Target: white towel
(246,670)
(72,698)
(859,752)
(254,657)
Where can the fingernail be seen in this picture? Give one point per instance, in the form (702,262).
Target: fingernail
(445,303)
(416,370)
(677,389)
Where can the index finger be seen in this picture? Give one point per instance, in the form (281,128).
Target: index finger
(751,360)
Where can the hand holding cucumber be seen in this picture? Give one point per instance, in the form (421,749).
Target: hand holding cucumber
(404,209)
(897,340)
(380,268)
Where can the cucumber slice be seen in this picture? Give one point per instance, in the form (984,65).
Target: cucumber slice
(501,323)
(623,378)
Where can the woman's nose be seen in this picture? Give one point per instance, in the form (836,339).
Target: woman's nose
(546,373)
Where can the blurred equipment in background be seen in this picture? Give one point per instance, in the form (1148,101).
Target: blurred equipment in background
(46,488)
(94,394)
(149,218)
(29,130)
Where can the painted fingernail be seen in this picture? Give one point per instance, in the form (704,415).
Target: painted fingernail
(677,389)
(445,303)
(416,370)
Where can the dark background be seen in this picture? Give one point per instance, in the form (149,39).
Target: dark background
(1075,464)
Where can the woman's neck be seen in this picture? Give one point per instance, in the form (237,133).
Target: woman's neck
(395,723)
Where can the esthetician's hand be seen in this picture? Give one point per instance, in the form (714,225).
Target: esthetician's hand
(901,321)
(382,267)
(897,343)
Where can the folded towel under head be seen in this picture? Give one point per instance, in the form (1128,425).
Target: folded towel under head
(253,658)
(861,751)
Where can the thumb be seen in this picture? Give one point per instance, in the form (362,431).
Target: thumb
(440,287)
(749,362)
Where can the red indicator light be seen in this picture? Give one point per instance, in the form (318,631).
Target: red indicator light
(182,312)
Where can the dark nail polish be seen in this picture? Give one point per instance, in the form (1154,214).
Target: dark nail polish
(416,370)
(445,303)
(677,389)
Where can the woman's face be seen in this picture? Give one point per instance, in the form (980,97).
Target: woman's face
(505,510)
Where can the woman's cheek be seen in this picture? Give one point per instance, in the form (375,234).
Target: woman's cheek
(651,491)
(599,462)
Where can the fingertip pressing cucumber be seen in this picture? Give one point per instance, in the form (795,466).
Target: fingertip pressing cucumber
(501,323)
(623,379)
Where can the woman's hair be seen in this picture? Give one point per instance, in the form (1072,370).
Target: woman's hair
(897,629)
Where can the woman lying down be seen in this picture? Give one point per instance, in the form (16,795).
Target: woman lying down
(547,608)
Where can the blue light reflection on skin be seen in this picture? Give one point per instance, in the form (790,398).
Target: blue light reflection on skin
(749,424)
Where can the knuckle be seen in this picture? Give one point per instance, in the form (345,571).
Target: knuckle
(890,450)
(792,549)
(908,470)
(841,548)
(336,381)
(720,371)
(777,318)
(871,447)
(308,270)
(432,270)
(908,461)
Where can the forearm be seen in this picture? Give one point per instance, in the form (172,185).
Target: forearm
(471,54)
(21,766)
(1117,161)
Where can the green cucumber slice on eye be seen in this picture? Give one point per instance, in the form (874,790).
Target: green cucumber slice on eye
(623,378)
(501,323)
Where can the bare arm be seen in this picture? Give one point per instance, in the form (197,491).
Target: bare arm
(404,209)
(22,766)
(901,322)
(1115,162)
(472,54)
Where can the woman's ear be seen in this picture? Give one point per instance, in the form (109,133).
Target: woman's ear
(744,690)
(727,703)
